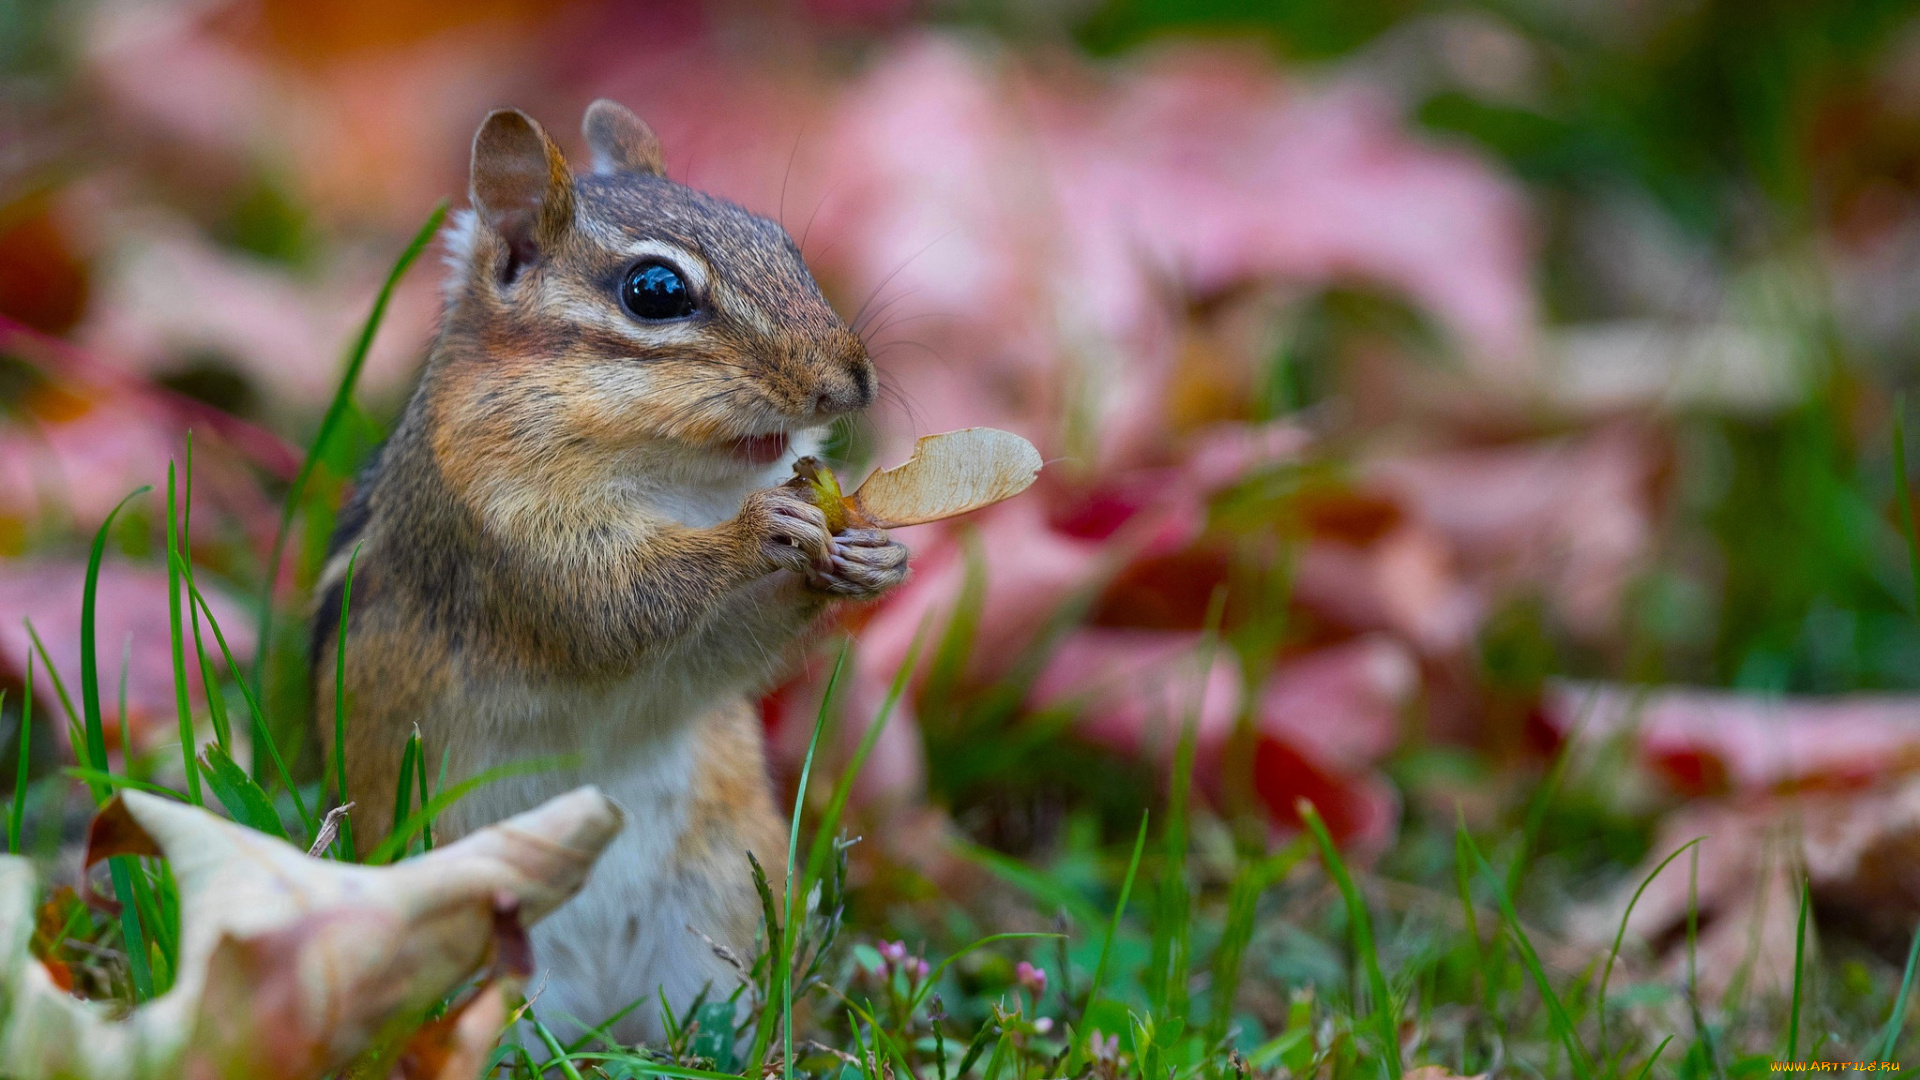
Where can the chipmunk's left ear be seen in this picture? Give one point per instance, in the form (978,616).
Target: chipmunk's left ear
(621,141)
(521,187)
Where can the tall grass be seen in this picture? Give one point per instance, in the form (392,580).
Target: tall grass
(330,424)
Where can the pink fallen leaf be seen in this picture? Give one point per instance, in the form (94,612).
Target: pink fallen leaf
(1133,689)
(1856,849)
(132,607)
(1706,741)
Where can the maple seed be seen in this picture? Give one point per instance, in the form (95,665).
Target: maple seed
(949,474)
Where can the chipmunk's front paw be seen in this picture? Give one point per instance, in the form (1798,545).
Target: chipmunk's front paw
(864,564)
(791,532)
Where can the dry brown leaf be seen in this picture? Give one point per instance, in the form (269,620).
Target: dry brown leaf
(456,1046)
(290,966)
(948,475)
(1857,849)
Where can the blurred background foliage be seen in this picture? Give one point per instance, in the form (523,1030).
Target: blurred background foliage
(1481,357)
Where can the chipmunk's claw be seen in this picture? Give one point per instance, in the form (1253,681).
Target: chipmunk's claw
(863,564)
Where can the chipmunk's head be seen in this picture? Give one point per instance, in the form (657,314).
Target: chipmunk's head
(618,309)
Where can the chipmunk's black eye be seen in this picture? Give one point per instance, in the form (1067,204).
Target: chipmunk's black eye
(656,291)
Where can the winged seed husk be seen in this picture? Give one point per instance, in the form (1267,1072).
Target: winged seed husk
(948,475)
(290,966)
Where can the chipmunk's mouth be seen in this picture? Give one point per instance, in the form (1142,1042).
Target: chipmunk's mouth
(760,449)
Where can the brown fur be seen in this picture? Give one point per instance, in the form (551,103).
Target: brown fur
(560,510)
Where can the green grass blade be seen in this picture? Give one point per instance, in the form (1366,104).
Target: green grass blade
(89,658)
(1897,1021)
(1909,525)
(657,1068)
(1647,1069)
(122,716)
(1077,1058)
(76,738)
(53,676)
(977,1046)
(165,934)
(1360,923)
(823,834)
(1799,974)
(1543,799)
(262,736)
(860,1049)
(880,1037)
(560,1058)
(1700,1025)
(216,702)
(340,707)
(177,639)
(1463,883)
(1556,1011)
(1167,976)
(599,1032)
(245,800)
(121,868)
(330,422)
(210,681)
(1620,936)
(1106,944)
(403,791)
(420,770)
(396,841)
(115,781)
(17,819)
(996,1060)
(787,940)
(1243,902)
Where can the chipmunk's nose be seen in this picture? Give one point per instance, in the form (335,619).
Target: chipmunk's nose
(848,383)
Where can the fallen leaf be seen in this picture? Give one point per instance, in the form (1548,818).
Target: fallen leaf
(133,624)
(948,475)
(1716,741)
(1857,850)
(289,966)
(456,1046)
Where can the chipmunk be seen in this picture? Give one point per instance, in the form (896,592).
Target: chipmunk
(576,543)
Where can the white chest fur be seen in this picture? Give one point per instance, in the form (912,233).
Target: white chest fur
(625,937)
(630,933)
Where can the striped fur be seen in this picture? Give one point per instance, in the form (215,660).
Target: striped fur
(562,552)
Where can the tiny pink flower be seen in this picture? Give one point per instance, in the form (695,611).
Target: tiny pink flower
(893,952)
(1104,1048)
(1043,1024)
(917,969)
(1031,979)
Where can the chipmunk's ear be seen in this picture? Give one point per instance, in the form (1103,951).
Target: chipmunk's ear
(521,187)
(621,141)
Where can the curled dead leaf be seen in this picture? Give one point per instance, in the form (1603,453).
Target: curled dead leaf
(949,474)
(1855,850)
(291,966)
